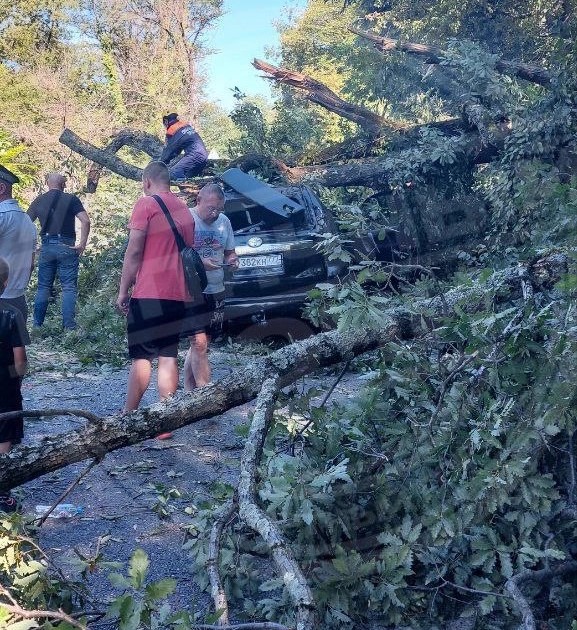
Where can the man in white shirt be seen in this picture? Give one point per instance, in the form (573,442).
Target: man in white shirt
(214,241)
(17,243)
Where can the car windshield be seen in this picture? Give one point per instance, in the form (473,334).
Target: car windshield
(247,217)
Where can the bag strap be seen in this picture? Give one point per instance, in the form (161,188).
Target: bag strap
(177,236)
(51,210)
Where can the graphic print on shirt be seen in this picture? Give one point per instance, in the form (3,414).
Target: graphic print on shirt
(209,244)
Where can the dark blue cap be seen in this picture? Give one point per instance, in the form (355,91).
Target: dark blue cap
(170,119)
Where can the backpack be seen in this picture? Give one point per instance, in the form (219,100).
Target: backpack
(194,271)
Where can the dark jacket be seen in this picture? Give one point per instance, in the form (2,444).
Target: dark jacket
(181,136)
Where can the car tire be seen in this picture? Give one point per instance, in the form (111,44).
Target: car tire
(277,332)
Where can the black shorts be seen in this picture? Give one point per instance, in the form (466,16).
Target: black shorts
(12,430)
(153,327)
(207,316)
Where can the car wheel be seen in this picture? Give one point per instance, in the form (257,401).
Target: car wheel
(277,332)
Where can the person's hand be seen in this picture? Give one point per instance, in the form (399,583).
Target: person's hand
(210,264)
(232,261)
(79,249)
(122,303)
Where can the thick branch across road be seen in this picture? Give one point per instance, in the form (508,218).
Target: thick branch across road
(97,438)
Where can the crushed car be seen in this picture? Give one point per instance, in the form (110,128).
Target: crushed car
(277,232)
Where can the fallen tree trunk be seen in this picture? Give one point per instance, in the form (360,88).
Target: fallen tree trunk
(435,55)
(139,140)
(99,437)
(101,156)
(383,172)
(375,172)
(319,93)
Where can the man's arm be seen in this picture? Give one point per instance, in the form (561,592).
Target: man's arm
(84,231)
(32,210)
(20,360)
(130,267)
(171,150)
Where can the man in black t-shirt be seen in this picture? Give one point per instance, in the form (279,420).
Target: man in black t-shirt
(57,212)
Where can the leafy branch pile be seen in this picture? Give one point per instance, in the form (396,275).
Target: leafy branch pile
(448,478)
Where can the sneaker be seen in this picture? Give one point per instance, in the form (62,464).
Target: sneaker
(8,504)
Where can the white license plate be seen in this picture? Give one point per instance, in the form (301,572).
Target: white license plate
(270,260)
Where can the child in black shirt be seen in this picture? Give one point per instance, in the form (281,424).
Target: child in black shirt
(13,337)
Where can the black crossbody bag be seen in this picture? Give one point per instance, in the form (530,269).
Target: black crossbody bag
(194,271)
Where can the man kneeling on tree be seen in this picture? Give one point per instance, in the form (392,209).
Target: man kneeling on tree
(181,137)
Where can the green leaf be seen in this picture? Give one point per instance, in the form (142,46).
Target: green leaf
(138,567)
(487,604)
(306,512)
(119,581)
(334,473)
(506,564)
(130,614)
(271,585)
(160,589)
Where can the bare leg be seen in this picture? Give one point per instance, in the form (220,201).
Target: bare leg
(167,376)
(189,382)
(196,366)
(5,447)
(138,381)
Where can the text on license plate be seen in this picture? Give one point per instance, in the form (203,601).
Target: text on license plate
(270,260)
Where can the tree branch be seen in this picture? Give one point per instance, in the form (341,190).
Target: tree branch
(512,586)
(103,157)
(67,491)
(22,613)
(48,413)
(435,55)
(294,580)
(139,140)
(98,437)
(216,587)
(319,93)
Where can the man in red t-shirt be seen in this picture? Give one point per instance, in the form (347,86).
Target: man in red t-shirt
(153,269)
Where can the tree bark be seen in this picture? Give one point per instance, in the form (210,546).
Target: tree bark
(99,437)
(380,172)
(139,140)
(318,93)
(435,55)
(250,512)
(543,576)
(102,156)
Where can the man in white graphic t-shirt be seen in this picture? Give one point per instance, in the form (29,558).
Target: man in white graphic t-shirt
(214,241)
